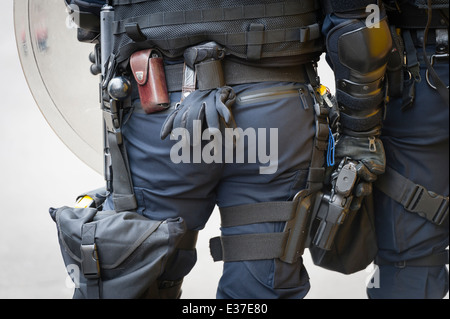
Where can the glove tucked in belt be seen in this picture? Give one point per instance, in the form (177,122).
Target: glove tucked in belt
(208,107)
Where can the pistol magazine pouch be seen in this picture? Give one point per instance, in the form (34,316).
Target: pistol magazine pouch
(148,71)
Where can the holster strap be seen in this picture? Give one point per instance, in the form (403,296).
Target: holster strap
(287,245)
(257,213)
(415,198)
(252,246)
(248,246)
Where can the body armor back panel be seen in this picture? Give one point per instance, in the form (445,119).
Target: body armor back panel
(172,26)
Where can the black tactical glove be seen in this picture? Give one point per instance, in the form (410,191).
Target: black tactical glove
(206,106)
(369,154)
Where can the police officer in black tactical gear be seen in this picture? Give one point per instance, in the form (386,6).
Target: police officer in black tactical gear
(249,67)
(411,198)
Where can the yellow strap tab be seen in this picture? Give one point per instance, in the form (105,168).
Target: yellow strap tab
(322,90)
(84,202)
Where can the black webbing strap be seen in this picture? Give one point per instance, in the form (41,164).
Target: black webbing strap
(260,212)
(248,246)
(414,197)
(89,260)
(427,261)
(288,245)
(412,61)
(117,171)
(252,246)
(237,73)
(123,192)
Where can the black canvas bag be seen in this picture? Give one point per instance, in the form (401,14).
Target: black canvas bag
(114,255)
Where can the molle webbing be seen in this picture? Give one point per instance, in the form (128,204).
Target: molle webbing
(268,29)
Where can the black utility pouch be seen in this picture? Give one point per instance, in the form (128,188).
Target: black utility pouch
(114,255)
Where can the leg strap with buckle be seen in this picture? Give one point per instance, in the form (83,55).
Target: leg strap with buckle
(287,245)
(414,198)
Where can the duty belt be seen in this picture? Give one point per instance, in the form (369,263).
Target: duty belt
(239,73)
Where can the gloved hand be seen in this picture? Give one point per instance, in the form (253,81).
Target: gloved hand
(368,152)
(210,105)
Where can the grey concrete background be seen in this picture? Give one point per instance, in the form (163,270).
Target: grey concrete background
(38,171)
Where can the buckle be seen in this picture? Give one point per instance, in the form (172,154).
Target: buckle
(89,261)
(112,120)
(427,204)
(433,58)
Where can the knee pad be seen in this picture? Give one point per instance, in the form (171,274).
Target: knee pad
(358,55)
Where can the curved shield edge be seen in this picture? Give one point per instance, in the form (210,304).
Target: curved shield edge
(56,68)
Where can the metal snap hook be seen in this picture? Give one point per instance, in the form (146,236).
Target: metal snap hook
(427,74)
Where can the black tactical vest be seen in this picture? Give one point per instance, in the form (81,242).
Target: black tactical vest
(246,28)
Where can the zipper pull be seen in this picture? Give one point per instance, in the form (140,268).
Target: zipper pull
(301,92)
(372,145)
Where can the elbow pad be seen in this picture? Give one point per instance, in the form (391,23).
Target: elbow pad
(358,55)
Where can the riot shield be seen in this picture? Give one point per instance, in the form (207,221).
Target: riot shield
(56,67)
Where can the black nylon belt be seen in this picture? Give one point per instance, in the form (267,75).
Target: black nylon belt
(238,73)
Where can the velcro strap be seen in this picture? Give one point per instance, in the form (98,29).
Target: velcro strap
(414,198)
(251,246)
(361,124)
(257,213)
